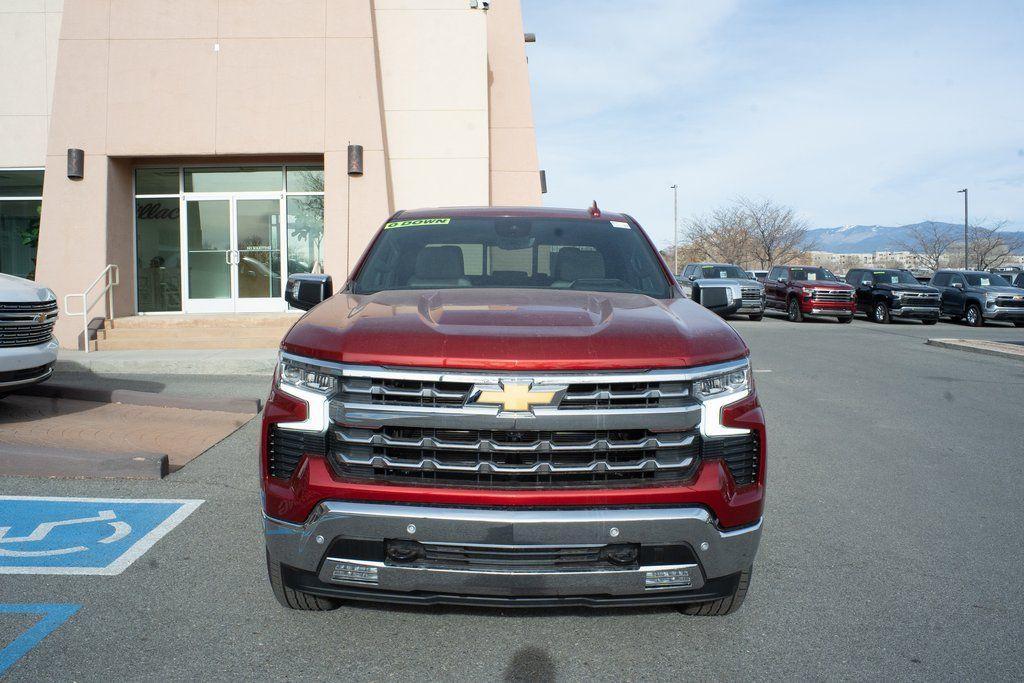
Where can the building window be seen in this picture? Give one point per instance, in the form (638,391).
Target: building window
(21,203)
(158,239)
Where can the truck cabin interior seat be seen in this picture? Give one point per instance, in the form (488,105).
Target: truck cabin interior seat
(439,267)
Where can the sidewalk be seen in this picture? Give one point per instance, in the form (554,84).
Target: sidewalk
(988,347)
(171,362)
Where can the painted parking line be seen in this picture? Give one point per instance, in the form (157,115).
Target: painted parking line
(52,617)
(48,535)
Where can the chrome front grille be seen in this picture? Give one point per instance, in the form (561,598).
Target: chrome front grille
(596,429)
(919,299)
(513,458)
(445,393)
(833,295)
(1009,301)
(27,323)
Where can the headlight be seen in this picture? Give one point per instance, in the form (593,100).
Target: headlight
(306,376)
(898,295)
(49,294)
(731,382)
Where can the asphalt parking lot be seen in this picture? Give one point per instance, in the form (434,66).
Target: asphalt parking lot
(892,549)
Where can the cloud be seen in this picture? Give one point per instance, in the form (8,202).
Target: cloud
(863,114)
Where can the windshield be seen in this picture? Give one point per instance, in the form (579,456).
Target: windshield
(538,253)
(894,277)
(721,272)
(810,274)
(985,280)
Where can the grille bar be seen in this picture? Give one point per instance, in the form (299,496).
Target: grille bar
(26,323)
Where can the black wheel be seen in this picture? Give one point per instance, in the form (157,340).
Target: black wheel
(846,319)
(756,316)
(929,322)
(973,316)
(293,599)
(1016,323)
(880,312)
(794,314)
(722,606)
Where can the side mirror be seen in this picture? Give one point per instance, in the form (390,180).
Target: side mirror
(780,279)
(691,278)
(305,291)
(958,285)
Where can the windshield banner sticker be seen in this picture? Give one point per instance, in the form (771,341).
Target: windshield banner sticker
(416,222)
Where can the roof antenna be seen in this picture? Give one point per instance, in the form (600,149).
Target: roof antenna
(594,211)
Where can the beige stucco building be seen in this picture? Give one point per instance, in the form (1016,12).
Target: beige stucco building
(216,137)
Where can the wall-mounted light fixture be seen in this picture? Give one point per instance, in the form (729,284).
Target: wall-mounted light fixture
(355,160)
(543,182)
(530,37)
(76,164)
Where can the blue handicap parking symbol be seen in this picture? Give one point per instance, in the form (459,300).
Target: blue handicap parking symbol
(51,616)
(82,535)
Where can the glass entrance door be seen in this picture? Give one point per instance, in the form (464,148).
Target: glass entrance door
(233,254)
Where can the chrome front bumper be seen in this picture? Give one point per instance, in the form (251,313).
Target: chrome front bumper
(305,547)
(1004,313)
(915,312)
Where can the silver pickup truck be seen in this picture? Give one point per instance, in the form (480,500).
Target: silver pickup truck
(28,350)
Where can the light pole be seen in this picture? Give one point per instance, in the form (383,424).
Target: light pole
(965,225)
(675,229)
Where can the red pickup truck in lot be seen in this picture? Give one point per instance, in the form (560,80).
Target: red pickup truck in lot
(512,407)
(803,291)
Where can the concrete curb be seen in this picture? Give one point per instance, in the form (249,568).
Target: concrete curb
(142,398)
(171,362)
(36,461)
(982,346)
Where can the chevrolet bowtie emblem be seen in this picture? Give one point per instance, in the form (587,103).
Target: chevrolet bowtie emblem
(515,397)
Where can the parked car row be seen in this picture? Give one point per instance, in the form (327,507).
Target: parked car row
(881,294)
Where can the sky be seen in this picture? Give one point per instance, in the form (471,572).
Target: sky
(850,112)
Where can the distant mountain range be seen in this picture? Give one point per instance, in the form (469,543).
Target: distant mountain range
(858,239)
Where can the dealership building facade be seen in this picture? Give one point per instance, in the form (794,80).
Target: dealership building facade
(210,148)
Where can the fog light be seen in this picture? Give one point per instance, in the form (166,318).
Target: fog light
(668,578)
(351,572)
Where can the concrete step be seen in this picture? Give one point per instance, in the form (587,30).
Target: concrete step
(274,333)
(205,320)
(165,342)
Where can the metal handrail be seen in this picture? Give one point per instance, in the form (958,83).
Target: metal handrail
(112,277)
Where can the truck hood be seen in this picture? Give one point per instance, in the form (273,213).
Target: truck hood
(727,282)
(999,289)
(821,284)
(18,290)
(906,287)
(514,329)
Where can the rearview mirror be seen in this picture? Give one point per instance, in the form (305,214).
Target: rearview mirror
(305,291)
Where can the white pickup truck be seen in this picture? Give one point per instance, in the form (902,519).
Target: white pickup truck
(27,347)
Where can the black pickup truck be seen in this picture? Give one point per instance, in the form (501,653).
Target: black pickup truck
(886,293)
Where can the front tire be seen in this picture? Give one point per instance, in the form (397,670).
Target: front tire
(722,606)
(973,316)
(929,322)
(880,313)
(845,319)
(794,313)
(293,599)
(1016,323)
(756,316)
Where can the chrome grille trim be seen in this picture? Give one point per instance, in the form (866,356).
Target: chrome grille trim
(540,378)
(490,445)
(645,465)
(18,324)
(832,295)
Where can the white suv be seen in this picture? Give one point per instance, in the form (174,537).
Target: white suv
(27,347)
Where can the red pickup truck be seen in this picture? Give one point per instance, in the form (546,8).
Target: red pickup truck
(513,407)
(803,291)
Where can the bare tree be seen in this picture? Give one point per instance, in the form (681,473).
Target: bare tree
(991,247)
(776,234)
(931,241)
(723,236)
